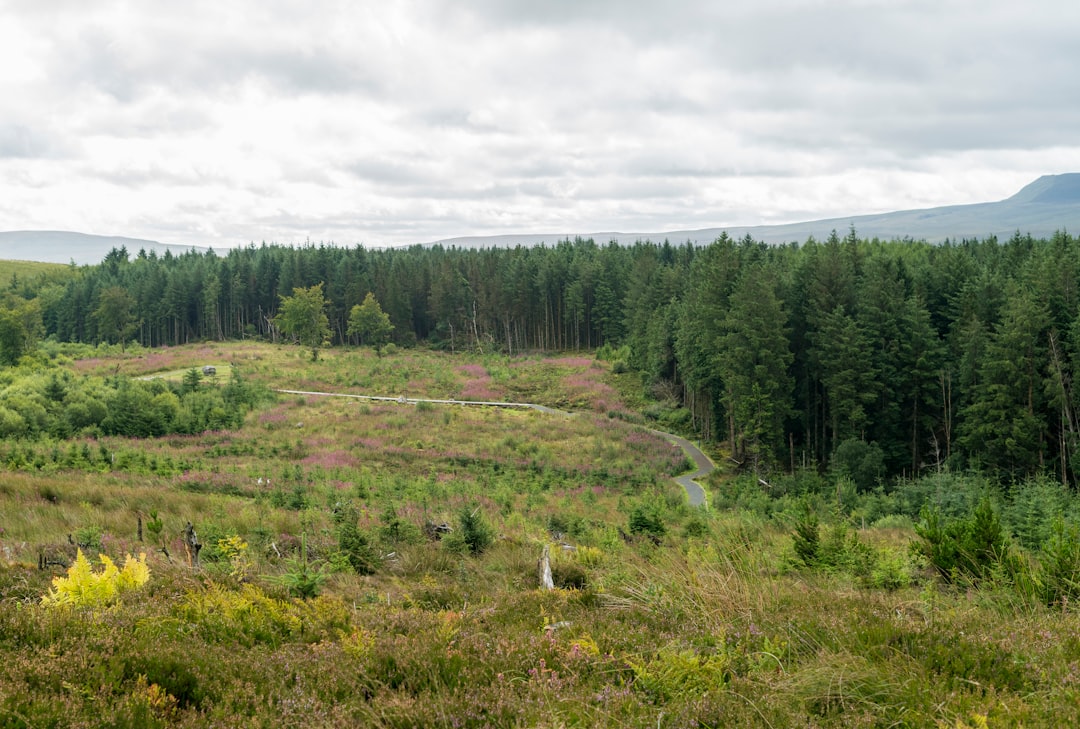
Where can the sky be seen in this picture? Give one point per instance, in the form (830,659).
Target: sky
(407,121)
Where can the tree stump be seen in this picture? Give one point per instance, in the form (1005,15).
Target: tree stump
(545,569)
(192,545)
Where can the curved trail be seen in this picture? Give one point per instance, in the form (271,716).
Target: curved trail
(694,491)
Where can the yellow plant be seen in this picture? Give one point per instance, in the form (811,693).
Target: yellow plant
(85,588)
(448,627)
(247,615)
(681,672)
(589,556)
(584,646)
(358,644)
(235,550)
(154,700)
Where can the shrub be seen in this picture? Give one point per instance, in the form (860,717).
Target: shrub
(568,575)
(475,531)
(235,551)
(170,674)
(681,673)
(154,527)
(85,588)
(1060,561)
(890,571)
(88,537)
(395,530)
(355,545)
(303,579)
(646,519)
(862,462)
(806,538)
(247,616)
(969,546)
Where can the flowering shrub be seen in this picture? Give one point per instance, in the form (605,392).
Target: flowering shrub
(85,588)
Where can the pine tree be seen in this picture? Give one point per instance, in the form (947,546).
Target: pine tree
(1004,424)
(753,358)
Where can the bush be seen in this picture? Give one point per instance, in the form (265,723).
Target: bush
(395,530)
(970,546)
(85,588)
(862,462)
(475,532)
(890,571)
(806,538)
(355,544)
(1060,562)
(646,519)
(681,673)
(170,673)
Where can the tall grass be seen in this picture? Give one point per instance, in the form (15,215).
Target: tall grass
(712,620)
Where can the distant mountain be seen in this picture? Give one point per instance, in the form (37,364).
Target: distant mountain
(53,246)
(1047,205)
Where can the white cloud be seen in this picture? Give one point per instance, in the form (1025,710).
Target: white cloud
(215,123)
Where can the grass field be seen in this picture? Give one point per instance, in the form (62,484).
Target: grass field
(29,270)
(323,599)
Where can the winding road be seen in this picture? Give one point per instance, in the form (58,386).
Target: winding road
(694,490)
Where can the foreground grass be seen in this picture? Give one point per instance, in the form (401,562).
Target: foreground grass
(708,637)
(711,622)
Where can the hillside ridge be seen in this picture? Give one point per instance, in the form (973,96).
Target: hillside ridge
(1041,208)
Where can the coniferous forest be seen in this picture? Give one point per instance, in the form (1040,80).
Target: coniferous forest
(891,536)
(895,357)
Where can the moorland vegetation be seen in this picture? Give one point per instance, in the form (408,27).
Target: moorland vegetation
(891,538)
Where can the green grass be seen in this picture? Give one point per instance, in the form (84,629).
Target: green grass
(30,270)
(718,624)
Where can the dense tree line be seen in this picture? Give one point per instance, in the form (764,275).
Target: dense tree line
(879,358)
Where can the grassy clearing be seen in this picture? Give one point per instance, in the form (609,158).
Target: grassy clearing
(23,271)
(694,619)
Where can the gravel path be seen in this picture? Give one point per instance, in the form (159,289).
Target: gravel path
(694,491)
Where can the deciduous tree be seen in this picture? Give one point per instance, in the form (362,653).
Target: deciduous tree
(303,316)
(370,323)
(115,315)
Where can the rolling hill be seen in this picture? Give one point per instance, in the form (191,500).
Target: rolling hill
(1047,205)
(54,246)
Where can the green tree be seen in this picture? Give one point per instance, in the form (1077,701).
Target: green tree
(969,546)
(646,518)
(370,323)
(303,316)
(753,362)
(476,532)
(1004,426)
(862,462)
(192,380)
(20,324)
(841,350)
(353,543)
(919,363)
(115,315)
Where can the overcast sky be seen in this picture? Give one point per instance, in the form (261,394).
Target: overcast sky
(387,122)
